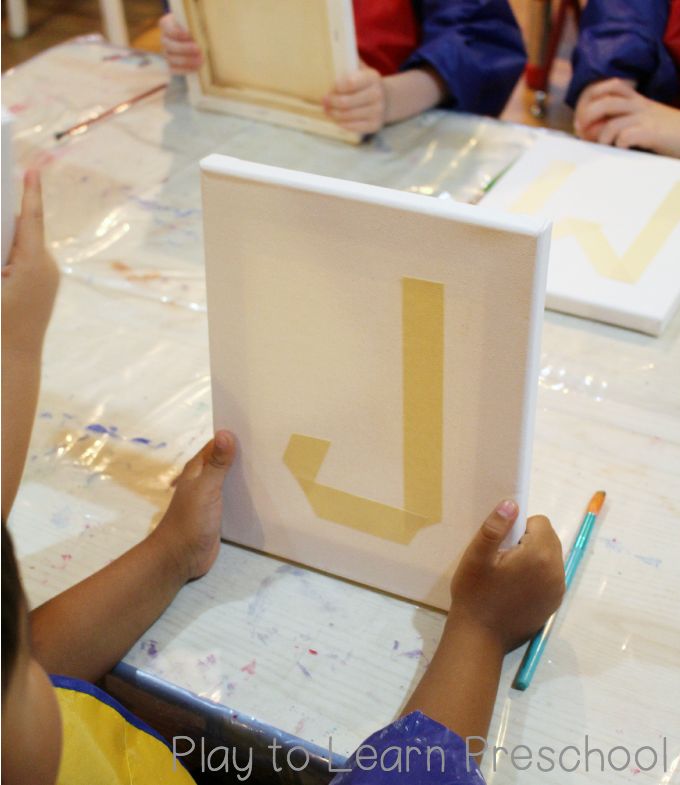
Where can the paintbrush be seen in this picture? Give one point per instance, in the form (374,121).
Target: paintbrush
(84,125)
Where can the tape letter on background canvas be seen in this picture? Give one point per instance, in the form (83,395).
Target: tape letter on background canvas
(423,426)
(631,265)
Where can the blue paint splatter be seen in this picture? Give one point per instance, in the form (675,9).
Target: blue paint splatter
(395,646)
(45,415)
(95,427)
(414,654)
(652,561)
(613,544)
(304,670)
(140,440)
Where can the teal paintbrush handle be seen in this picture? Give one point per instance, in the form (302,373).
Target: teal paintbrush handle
(535,649)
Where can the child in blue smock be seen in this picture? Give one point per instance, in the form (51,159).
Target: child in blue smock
(626,83)
(67,731)
(415,54)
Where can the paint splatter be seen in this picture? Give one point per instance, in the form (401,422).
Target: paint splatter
(652,561)
(414,654)
(141,440)
(612,544)
(395,646)
(96,427)
(249,668)
(313,651)
(304,670)
(152,648)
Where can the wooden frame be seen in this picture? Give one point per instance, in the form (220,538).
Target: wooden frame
(271,60)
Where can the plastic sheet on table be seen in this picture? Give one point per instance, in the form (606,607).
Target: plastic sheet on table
(122,199)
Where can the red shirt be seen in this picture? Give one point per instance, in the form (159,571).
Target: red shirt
(672,37)
(387,32)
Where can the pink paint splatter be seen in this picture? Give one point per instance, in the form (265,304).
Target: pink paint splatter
(313,651)
(18,108)
(249,668)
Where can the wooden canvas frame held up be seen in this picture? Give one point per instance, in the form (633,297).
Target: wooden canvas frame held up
(271,60)
(376,354)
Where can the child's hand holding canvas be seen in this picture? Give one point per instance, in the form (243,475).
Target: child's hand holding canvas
(183,54)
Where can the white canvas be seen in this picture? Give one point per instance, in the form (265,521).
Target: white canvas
(271,60)
(615,253)
(312,342)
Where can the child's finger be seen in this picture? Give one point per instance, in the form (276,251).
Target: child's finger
(485,544)
(612,128)
(342,102)
(635,136)
(181,48)
(184,65)
(609,106)
(30,231)
(540,537)
(353,83)
(170,26)
(620,87)
(219,455)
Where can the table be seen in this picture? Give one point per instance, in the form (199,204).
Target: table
(260,646)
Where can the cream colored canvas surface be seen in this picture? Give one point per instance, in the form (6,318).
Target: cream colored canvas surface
(376,354)
(272,60)
(261,44)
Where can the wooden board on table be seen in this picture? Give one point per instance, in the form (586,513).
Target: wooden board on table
(376,354)
(272,60)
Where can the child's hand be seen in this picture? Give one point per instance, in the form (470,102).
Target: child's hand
(508,595)
(588,117)
(30,279)
(190,529)
(183,54)
(613,112)
(358,102)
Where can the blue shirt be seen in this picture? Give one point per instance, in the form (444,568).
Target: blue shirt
(624,38)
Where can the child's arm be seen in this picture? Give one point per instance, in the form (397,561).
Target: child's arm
(499,599)
(623,39)
(29,286)
(613,112)
(365,101)
(183,54)
(85,631)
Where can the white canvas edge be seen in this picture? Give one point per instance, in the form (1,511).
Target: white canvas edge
(636,320)
(345,60)
(475,215)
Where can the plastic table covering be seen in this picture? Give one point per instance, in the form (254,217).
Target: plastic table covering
(258,644)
